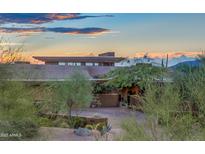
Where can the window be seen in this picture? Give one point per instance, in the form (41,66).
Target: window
(77,64)
(70,64)
(96,64)
(89,64)
(61,63)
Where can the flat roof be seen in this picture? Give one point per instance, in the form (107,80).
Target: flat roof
(35,72)
(91,59)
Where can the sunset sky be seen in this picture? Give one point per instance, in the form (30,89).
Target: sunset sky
(127,35)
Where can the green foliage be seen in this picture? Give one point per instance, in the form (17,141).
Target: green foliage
(17,112)
(4,73)
(173,111)
(192,89)
(18,130)
(99,88)
(141,74)
(184,127)
(89,126)
(133,131)
(101,127)
(76,122)
(50,122)
(45,122)
(76,91)
(52,103)
(160,101)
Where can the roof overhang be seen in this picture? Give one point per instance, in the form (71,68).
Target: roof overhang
(96,59)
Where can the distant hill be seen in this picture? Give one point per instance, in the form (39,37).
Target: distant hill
(193,63)
(156,61)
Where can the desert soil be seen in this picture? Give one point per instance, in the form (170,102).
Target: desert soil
(115,117)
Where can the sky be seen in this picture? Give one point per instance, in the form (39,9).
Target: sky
(128,35)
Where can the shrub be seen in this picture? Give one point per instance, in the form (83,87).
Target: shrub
(166,118)
(89,127)
(133,131)
(45,122)
(60,122)
(17,112)
(77,122)
(100,126)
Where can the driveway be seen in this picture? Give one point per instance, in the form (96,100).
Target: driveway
(115,117)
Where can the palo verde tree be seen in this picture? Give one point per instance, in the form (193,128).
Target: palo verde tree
(75,91)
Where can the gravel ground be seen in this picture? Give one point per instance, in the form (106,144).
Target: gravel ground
(115,117)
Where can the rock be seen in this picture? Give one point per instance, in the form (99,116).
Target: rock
(82,132)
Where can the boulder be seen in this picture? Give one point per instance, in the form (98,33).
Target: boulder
(82,132)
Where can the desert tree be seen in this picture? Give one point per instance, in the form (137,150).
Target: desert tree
(10,53)
(75,91)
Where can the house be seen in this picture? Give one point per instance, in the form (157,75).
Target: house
(104,59)
(45,73)
(60,68)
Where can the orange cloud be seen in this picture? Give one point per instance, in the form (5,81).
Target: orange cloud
(57,16)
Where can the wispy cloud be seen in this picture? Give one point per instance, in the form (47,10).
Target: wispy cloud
(40,18)
(64,30)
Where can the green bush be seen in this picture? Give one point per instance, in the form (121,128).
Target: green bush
(57,122)
(91,127)
(18,130)
(45,122)
(100,126)
(60,122)
(169,112)
(77,122)
(133,131)
(17,112)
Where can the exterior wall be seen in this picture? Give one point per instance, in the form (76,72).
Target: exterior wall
(106,64)
(52,63)
(81,63)
(109,100)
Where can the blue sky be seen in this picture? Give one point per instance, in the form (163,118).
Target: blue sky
(126,34)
